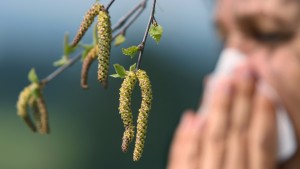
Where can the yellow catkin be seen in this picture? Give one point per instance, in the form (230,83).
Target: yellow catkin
(127,138)
(22,106)
(104,43)
(88,19)
(89,59)
(146,91)
(125,108)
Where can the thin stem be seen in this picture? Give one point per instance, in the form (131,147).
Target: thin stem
(142,45)
(133,19)
(124,19)
(60,70)
(124,29)
(109,4)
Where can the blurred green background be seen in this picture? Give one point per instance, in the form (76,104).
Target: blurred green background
(86,128)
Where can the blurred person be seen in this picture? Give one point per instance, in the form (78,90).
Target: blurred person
(238,127)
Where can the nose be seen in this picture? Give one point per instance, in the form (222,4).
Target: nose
(236,40)
(254,53)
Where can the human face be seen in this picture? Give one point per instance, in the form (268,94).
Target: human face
(268,32)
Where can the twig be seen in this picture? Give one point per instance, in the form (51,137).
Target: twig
(124,19)
(60,70)
(109,4)
(124,29)
(142,45)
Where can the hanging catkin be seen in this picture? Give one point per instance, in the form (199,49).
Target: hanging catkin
(22,106)
(125,108)
(89,59)
(36,113)
(88,19)
(104,43)
(41,105)
(146,91)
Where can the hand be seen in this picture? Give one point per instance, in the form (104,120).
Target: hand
(237,131)
(285,80)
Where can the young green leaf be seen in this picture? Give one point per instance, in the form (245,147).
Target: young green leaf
(35,91)
(132,67)
(131,51)
(120,70)
(62,61)
(120,39)
(68,49)
(115,76)
(32,76)
(86,50)
(87,47)
(156,32)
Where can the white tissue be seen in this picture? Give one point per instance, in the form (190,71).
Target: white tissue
(230,59)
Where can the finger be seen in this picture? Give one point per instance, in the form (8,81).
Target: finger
(205,96)
(263,134)
(217,125)
(185,146)
(236,156)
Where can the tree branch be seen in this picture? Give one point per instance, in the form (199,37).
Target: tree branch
(60,70)
(117,26)
(109,4)
(142,45)
(124,19)
(124,29)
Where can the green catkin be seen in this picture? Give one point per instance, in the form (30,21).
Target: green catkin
(89,59)
(125,108)
(104,43)
(22,106)
(146,91)
(87,22)
(36,113)
(44,119)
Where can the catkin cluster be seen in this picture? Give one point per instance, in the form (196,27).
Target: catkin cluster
(89,59)
(31,97)
(126,112)
(104,33)
(88,19)
(104,43)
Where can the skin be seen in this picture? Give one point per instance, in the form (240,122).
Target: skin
(239,132)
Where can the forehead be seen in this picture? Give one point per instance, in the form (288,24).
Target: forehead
(224,12)
(268,14)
